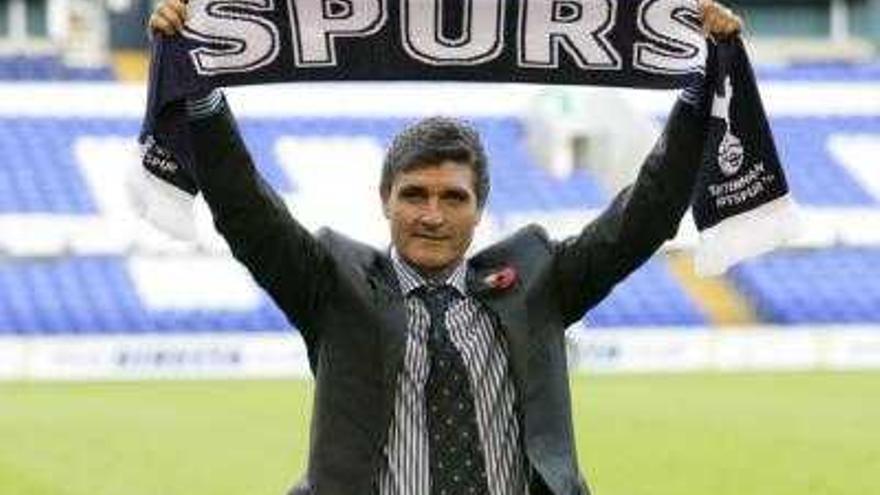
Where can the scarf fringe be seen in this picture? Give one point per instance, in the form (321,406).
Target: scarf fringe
(166,207)
(749,234)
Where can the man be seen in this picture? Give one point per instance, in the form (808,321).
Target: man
(435,374)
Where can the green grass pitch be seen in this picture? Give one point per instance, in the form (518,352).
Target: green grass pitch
(755,434)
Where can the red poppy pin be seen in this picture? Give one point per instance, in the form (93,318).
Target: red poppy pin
(502,279)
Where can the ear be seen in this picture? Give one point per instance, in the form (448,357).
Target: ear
(386,210)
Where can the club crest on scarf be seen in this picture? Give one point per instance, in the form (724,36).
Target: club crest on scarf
(731,154)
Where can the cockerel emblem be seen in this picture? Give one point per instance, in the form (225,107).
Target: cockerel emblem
(730,151)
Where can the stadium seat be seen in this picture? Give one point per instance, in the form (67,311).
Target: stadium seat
(822,72)
(66,292)
(49,68)
(829,286)
(813,174)
(649,297)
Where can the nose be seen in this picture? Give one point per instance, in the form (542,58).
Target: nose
(432,215)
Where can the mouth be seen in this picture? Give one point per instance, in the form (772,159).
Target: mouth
(431,237)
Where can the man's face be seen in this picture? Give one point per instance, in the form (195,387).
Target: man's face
(432,211)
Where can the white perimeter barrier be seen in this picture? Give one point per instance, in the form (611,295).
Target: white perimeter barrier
(147,357)
(745,349)
(283,355)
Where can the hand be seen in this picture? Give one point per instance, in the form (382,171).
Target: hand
(718,20)
(168,17)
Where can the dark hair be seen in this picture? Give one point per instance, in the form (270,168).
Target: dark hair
(432,141)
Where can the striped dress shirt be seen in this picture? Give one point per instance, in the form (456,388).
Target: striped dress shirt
(473,332)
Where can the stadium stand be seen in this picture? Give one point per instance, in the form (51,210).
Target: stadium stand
(87,294)
(821,72)
(818,178)
(58,288)
(95,295)
(49,68)
(650,297)
(808,287)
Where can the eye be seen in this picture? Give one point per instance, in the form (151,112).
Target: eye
(412,194)
(456,196)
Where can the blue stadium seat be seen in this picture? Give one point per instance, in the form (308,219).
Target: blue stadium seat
(830,286)
(831,71)
(813,175)
(94,295)
(517,182)
(49,68)
(38,174)
(649,297)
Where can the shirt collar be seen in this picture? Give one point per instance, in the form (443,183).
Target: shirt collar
(410,279)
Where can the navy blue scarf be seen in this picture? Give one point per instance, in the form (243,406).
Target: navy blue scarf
(741,204)
(637,43)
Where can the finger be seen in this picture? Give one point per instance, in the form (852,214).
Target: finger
(736,24)
(179,8)
(727,19)
(720,21)
(164,23)
(172,19)
(176,16)
(707,14)
(728,22)
(159,25)
(729,26)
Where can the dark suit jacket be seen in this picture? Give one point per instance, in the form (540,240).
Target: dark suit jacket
(344,298)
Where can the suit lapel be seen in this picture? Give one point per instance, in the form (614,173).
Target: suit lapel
(392,314)
(509,307)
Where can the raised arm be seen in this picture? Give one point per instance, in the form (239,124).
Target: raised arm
(283,257)
(638,221)
(647,213)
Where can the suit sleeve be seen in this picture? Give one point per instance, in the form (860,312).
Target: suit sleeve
(283,257)
(640,218)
